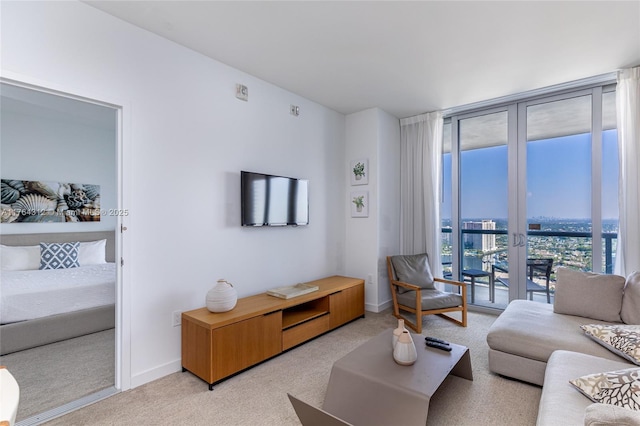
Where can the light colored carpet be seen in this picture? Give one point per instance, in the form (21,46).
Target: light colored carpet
(53,375)
(258,396)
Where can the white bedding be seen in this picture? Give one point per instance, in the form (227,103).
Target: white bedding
(33,294)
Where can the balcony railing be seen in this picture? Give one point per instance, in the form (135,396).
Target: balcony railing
(608,238)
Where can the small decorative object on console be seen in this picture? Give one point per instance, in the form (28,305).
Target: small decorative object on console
(404,353)
(292,291)
(222,297)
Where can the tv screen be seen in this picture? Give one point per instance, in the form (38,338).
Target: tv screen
(269,200)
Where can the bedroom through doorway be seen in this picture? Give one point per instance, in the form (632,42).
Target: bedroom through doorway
(59,165)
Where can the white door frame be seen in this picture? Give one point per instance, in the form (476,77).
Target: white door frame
(123,177)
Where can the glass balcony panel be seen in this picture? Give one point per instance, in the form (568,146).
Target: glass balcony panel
(571,249)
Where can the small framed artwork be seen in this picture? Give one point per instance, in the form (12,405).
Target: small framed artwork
(359,170)
(359,204)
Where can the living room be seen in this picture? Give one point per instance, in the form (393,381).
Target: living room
(184,137)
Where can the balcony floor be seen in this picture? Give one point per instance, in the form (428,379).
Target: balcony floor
(501,296)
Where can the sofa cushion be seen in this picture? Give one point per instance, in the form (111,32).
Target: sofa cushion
(630,313)
(413,269)
(431,299)
(623,340)
(619,387)
(561,404)
(609,415)
(588,295)
(532,330)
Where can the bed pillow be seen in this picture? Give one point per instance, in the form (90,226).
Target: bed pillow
(59,255)
(588,295)
(92,252)
(623,340)
(19,258)
(630,313)
(618,388)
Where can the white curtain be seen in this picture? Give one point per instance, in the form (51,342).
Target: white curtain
(420,186)
(628,112)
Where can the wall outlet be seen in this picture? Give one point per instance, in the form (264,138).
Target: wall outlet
(294,110)
(176,318)
(370,279)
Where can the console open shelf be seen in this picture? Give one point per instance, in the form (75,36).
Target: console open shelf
(298,314)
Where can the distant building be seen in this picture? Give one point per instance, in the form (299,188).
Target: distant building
(484,242)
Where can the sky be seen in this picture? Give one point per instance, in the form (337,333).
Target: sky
(558,179)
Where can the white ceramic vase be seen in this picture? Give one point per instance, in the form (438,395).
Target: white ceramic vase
(222,297)
(405,351)
(397,332)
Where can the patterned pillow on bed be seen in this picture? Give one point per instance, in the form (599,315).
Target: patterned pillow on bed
(59,255)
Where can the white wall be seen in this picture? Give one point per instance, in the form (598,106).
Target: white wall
(375,135)
(389,194)
(361,243)
(38,148)
(186,140)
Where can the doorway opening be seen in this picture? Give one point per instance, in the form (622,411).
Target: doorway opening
(51,139)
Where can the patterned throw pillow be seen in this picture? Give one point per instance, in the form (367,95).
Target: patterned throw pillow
(59,255)
(621,388)
(623,340)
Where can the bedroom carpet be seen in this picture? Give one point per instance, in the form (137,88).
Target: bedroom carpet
(258,396)
(55,374)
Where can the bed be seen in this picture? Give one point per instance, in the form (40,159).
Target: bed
(39,307)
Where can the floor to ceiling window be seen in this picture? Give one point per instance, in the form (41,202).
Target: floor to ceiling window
(529,186)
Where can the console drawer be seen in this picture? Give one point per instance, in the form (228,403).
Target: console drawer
(300,333)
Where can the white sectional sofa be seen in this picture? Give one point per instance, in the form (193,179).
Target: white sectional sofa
(545,345)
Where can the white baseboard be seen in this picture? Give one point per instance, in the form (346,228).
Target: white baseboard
(377,308)
(156,373)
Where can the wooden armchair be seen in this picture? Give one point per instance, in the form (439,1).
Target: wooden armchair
(413,290)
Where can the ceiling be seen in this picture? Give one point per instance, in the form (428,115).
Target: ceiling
(406,58)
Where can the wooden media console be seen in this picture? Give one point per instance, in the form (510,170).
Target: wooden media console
(218,345)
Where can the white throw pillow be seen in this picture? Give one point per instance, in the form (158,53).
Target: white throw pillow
(598,414)
(19,258)
(92,252)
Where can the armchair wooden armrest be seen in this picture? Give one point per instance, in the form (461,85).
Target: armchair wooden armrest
(405,285)
(463,285)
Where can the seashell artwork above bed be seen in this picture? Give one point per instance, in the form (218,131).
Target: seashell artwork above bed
(42,201)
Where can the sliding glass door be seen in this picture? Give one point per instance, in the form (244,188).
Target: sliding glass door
(559,222)
(525,189)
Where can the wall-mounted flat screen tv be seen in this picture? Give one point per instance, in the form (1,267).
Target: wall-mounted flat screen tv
(269,200)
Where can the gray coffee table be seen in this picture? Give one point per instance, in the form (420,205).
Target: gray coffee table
(367,387)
